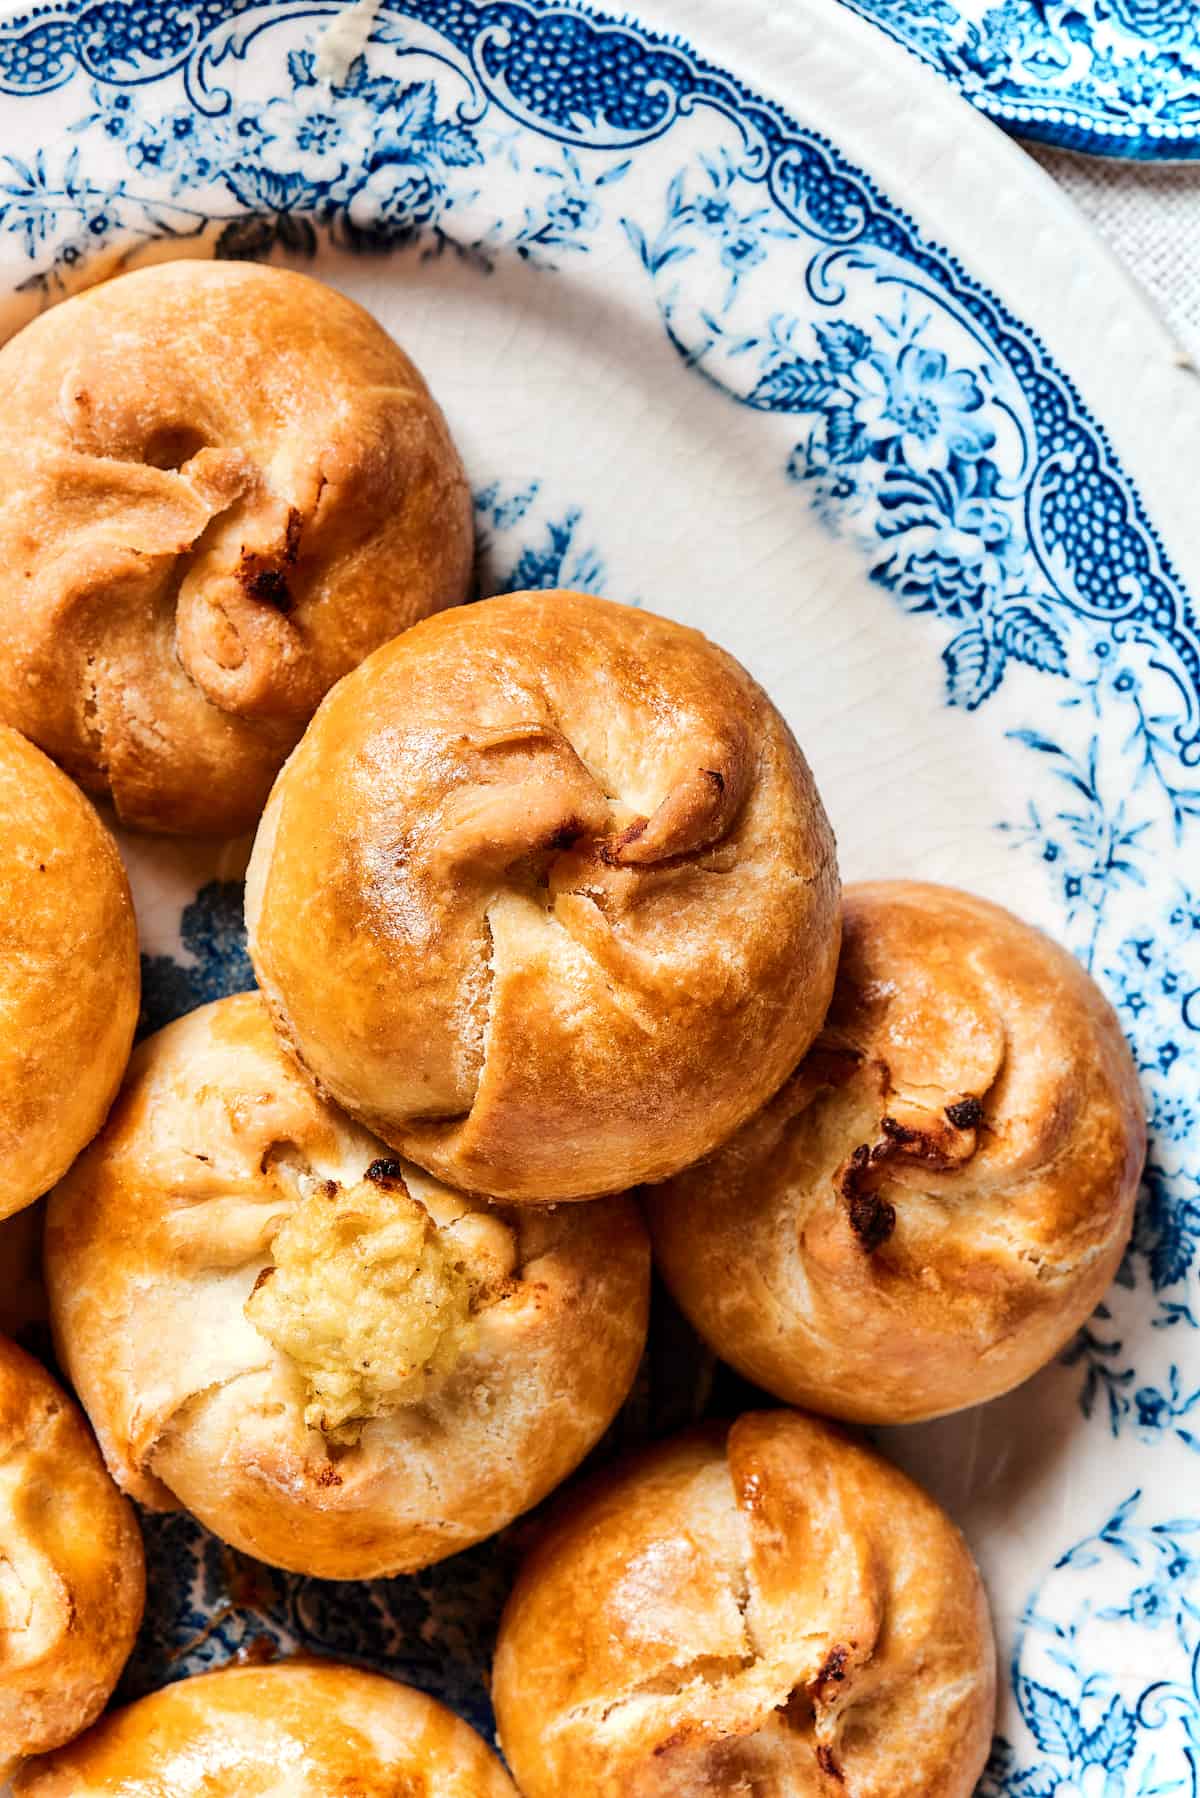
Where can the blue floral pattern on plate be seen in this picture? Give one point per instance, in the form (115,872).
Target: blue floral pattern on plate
(921,423)
(1116,77)
(1093,1732)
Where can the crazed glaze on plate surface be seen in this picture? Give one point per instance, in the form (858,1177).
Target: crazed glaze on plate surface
(697,359)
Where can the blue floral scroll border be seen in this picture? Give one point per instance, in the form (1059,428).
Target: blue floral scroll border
(1114,77)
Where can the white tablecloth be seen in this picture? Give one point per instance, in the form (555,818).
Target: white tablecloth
(1150,215)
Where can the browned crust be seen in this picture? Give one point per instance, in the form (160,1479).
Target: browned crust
(223,486)
(192,1407)
(580,921)
(336,1729)
(72,1547)
(70,986)
(766,1606)
(939,1196)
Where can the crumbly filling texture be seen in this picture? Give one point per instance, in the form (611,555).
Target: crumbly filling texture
(368,1298)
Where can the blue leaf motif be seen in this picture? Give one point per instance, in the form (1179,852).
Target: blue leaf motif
(456,147)
(1033,739)
(799,386)
(1052,1719)
(301,68)
(843,345)
(415,109)
(1112,1742)
(846,441)
(1039,1782)
(1028,638)
(974,666)
(357,76)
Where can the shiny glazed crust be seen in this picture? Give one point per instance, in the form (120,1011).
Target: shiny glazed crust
(72,1578)
(221,486)
(309,1729)
(69,979)
(160,1234)
(940,1195)
(765,1610)
(546,896)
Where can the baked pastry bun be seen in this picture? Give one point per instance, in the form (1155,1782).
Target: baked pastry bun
(337,1364)
(69,981)
(765,1609)
(72,1575)
(546,897)
(221,486)
(939,1196)
(312,1729)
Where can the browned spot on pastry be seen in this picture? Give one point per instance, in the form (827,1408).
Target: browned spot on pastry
(827,1762)
(717,778)
(677,1738)
(327,1475)
(833,1672)
(966,1114)
(385,1172)
(264,1274)
(567,834)
(264,577)
(611,847)
(871,1218)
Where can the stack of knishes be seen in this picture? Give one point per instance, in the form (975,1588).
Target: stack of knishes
(555,973)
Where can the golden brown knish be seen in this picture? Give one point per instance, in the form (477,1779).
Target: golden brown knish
(940,1194)
(304,1729)
(759,1609)
(221,486)
(336,1363)
(72,1577)
(69,979)
(546,896)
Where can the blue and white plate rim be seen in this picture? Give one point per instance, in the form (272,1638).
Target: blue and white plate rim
(1137,97)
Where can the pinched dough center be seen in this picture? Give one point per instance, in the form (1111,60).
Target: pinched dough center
(368,1298)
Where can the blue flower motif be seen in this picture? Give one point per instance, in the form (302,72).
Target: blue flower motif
(572,209)
(1149,1605)
(927,409)
(149,152)
(742,247)
(317,142)
(716,211)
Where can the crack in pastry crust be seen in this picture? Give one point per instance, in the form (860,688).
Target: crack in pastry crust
(246,1320)
(577,886)
(767,1610)
(223,486)
(940,1193)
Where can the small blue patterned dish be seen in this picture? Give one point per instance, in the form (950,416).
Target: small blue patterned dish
(723,326)
(1114,77)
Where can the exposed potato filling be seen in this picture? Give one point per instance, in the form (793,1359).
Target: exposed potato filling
(367,1298)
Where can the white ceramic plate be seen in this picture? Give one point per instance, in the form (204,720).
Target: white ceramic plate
(741,314)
